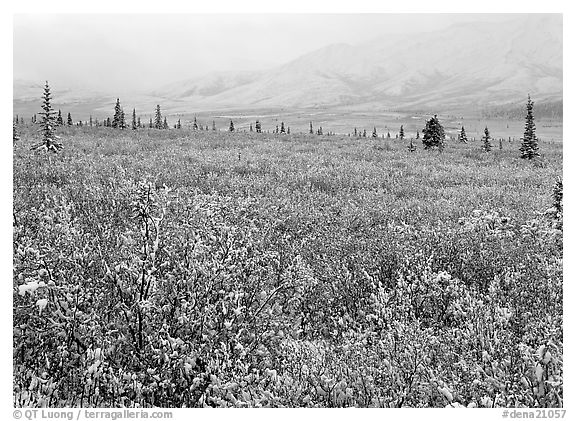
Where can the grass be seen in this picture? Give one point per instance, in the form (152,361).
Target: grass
(343,222)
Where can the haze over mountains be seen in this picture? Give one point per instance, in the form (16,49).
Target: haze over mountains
(468,66)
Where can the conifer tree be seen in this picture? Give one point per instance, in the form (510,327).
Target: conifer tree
(90,120)
(231,128)
(47,125)
(150,125)
(179,124)
(417,134)
(59,121)
(320,131)
(288,130)
(388,135)
(486,145)
(213,125)
(433,134)
(69,119)
(282,128)
(401,132)
(364,133)
(311,129)
(529,147)
(462,138)
(158,118)
(139,123)
(195,125)
(355,132)
(374,134)
(15,134)
(412,147)
(108,122)
(500,146)
(276,129)
(165,124)
(258,127)
(34,119)
(251,129)
(117,114)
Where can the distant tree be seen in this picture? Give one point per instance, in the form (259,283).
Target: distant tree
(139,123)
(388,135)
(213,125)
(251,129)
(320,131)
(529,147)
(374,134)
(59,121)
(462,138)
(150,125)
(417,134)
(158,118)
(90,120)
(165,124)
(401,132)
(500,145)
(364,133)
(288,130)
(231,128)
(80,123)
(412,147)
(282,128)
(277,130)
(258,127)
(47,125)
(34,119)
(311,129)
(195,124)
(433,134)
(117,114)
(69,119)
(108,122)
(396,135)
(486,145)
(134,121)
(15,134)
(355,132)
(179,124)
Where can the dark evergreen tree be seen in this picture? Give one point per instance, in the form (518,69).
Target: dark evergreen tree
(277,130)
(59,121)
(486,145)
(417,134)
(48,124)
(165,124)
(388,135)
(158,118)
(529,147)
(355,132)
(90,120)
(320,131)
(401,132)
(501,146)
(195,124)
(258,127)
(433,134)
(288,130)
(374,134)
(108,122)
(15,134)
(69,119)
(122,120)
(412,147)
(282,128)
(311,129)
(213,125)
(139,123)
(231,128)
(134,121)
(179,124)
(462,138)
(34,119)
(117,115)
(150,125)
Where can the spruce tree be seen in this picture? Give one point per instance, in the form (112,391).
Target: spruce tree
(231,128)
(139,124)
(108,122)
(150,125)
(401,132)
(47,125)
(417,134)
(288,130)
(15,134)
(364,133)
(462,138)
(179,124)
(320,131)
(59,121)
(501,146)
(311,129)
(433,134)
(374,134)
(158,118)
(282,129)
(90,120)
(165,124)
(69,119)
(388,135)
(258,127)
(412,147)
(355,132)
(134,122)
(195,125)
(213,125)
(117,114)
(122,120)
(486,145)
(529,147)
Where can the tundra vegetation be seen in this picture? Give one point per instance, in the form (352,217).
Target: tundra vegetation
(187,268)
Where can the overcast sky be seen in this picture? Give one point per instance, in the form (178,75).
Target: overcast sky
(143,52)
